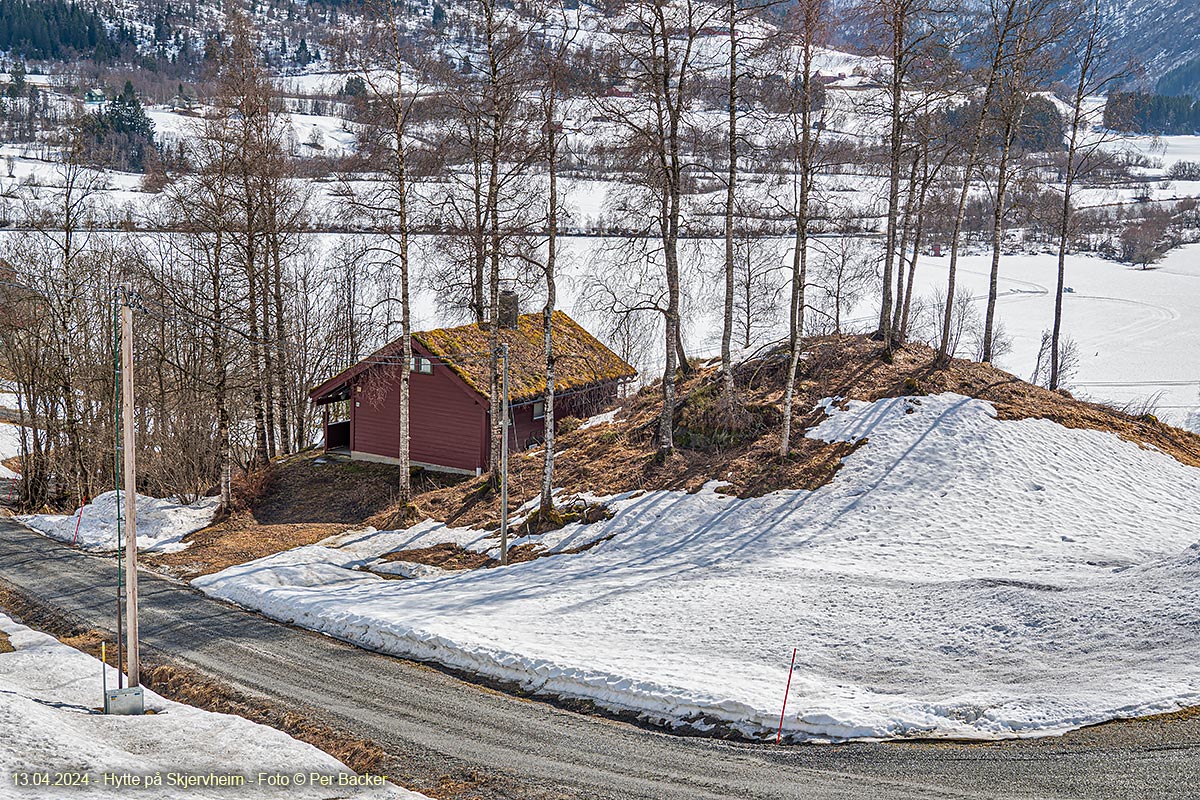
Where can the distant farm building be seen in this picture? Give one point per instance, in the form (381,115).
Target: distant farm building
(620,90)
(450,414)
(95,96)
(183,104)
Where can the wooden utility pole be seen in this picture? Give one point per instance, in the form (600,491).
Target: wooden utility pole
(504,461)
(130,488)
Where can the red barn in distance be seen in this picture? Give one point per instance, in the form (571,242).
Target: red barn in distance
(449,409)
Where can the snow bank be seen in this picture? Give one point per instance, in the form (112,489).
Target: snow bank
(48,723)
(10,445)
(10,440)
(959,576)
(161,524)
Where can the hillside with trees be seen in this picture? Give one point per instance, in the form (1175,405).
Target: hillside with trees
(46,30)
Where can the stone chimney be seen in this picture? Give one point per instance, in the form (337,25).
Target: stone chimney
(510,309)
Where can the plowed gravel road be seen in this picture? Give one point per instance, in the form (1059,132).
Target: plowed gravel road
(442,731)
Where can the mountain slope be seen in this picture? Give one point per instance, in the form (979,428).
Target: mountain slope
(1163,39)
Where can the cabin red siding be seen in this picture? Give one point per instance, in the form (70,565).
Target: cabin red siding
(447,420)
(527,431)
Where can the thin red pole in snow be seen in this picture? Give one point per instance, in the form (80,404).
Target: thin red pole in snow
(782,711)
(79,520)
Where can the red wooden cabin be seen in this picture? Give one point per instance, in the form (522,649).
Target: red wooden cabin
(450,414)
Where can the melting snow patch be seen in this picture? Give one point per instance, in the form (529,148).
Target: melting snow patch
(161,524)
(600,419)
(959,576)
(10,439)
(48,723)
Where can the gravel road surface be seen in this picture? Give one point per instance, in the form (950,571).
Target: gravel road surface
(441,731)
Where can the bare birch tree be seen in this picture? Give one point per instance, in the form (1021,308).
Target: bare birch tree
(389,198)
(656,50)
(807,28)
(1091,61)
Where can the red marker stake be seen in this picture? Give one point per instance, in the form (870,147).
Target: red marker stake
(782,711)
(79,520)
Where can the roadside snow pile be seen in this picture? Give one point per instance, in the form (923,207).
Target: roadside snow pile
(48,693)
(959,576)
(10,446)
(161,524)
(1193,422)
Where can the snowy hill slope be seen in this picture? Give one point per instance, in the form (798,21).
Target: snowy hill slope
(959,576)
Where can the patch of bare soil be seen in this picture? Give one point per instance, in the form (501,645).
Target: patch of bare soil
(315,488)
(6,644)
(446,555)
(236,540)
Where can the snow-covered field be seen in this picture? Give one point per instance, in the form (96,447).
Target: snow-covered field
(161,523)
(49,726)
(1137,331)
(960,576)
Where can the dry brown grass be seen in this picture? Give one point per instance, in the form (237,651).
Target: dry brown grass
(1182,715)
(236,540)
(6,644)
(446,555)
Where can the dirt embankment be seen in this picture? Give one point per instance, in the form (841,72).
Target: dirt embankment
(296,502)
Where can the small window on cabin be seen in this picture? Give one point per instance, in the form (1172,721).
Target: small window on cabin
(539,409)
(422,365)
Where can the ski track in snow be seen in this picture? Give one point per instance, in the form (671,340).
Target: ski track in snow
(960,576)
(1157,317)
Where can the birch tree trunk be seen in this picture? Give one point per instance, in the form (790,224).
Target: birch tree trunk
(1092,46)
(812,22)
(727,387)
(999,44)
(404,489)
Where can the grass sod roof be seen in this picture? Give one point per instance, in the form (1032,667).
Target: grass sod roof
(580,359)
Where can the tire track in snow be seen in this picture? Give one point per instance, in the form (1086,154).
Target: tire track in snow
(1160,316)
